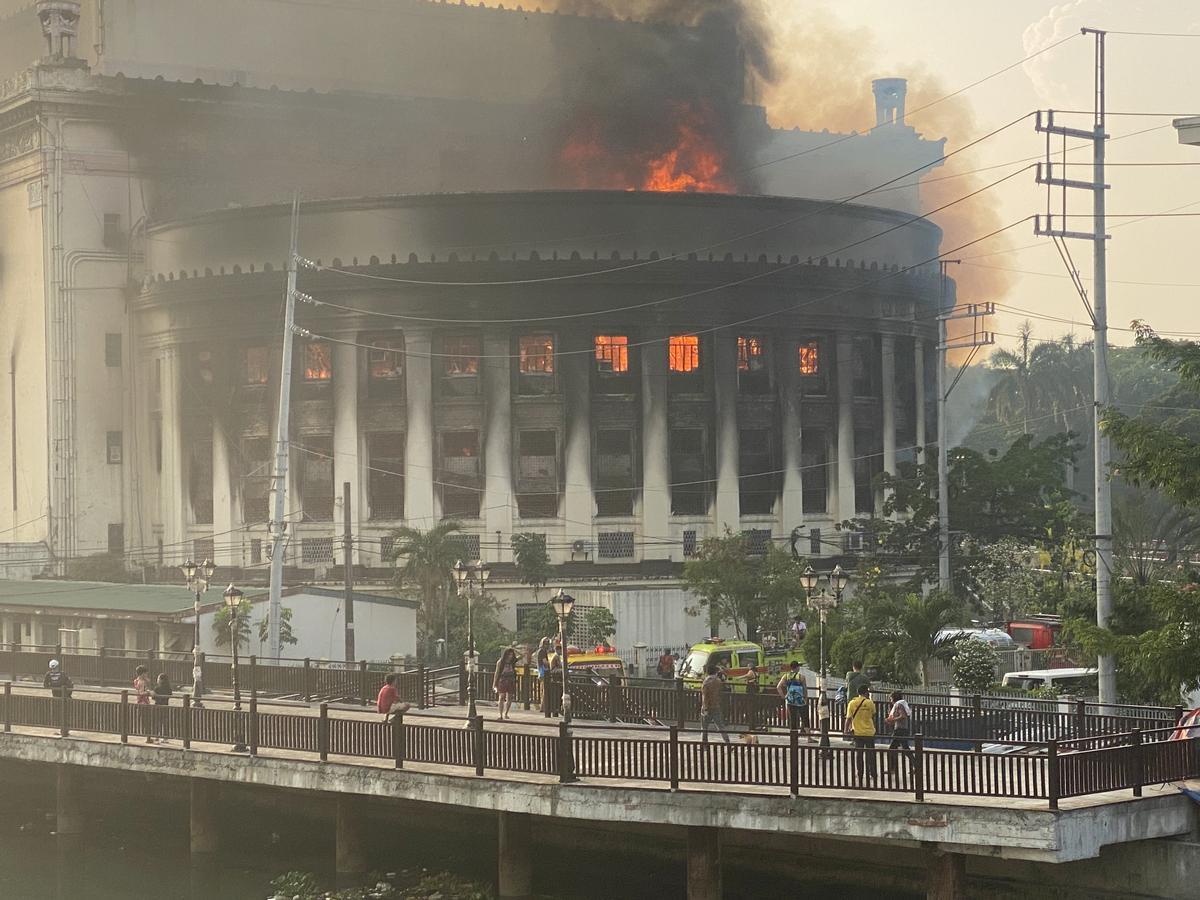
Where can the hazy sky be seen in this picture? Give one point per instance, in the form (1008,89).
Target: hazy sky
(960,41)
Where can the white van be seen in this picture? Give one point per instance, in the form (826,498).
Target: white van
(1077,682)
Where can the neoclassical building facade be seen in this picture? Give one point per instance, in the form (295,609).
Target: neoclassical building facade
(624,373)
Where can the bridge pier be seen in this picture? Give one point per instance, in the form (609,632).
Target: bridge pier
(203,816)
(516,856)
(703,863)
(947,876)
(350,859)
(68,804)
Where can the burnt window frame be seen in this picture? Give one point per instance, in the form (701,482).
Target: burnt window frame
(614,383)
(464,382)
(690,496)
(379,477)
(538,382)
(754,382)
(614,500)
(815,384)
(392,386)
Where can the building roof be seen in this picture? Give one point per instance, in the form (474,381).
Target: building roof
(93,596)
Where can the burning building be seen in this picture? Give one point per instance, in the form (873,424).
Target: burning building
(573,294)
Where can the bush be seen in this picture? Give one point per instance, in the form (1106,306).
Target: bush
(974,666)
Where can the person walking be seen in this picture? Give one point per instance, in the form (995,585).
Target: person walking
(900,718)
(753,703)
(57,680)
(711,690)
(860,728)
(141,687)
(197,686)
(855,679)
(666,665)
(793,689)
(162,700)
(504,683)
(542,659)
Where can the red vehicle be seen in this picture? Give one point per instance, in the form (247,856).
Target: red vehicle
(1037,632)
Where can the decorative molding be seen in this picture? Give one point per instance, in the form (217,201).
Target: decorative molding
(19,141)
(20,83)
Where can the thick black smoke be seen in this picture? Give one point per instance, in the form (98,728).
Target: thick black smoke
(682,82)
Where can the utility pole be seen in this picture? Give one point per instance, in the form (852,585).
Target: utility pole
(348,570)
(976,339)
(1098,310)
(283,448)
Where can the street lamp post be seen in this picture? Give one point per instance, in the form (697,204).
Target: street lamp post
(233,602)
(197,579)
(563,604)
(467,577)
(827,599)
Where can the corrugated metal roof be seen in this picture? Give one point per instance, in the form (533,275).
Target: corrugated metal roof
(159,599)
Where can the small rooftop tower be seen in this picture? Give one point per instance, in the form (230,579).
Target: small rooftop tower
(60,25)
(889,100)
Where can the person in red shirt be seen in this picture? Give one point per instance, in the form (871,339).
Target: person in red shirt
(388,701)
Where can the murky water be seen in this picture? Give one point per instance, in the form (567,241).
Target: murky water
(138,847)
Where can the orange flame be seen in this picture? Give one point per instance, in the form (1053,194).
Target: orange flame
(693,162)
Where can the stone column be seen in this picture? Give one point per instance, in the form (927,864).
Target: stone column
(919,382)
(725,395)
(656,462)
(703,863)
(172,502)
(516,856)
(845,427)
(225,514)
(498,498)
(790,397)
(947,876)
(205,821)
(345,435)
(888,373)
(350,859)
(419,463)
(579,505)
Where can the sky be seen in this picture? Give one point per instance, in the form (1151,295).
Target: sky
(944,45)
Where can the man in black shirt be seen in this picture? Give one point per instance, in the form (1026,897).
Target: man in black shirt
(56,679)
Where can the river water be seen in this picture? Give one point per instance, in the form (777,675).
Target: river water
(136,845)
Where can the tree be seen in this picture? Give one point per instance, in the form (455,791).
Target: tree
(1160,448)
(542,621)
(600,622)
(974,666)
(429,558)
(532,560)
(1002,582)
(286,636)
(746,590)
(912,631)
(220,625)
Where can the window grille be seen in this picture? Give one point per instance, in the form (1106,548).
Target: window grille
(316,550)
(616,545)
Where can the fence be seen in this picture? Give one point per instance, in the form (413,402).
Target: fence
(1057,770)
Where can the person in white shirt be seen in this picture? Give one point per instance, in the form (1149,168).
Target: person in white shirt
(900,718)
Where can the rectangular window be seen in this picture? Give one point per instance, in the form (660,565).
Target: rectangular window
(758,479)
(385,453)
(112,350)
(116,539)
(810,358)
(318,361)
(256,365)
(754,373)
(868,464)
(684,353)
(385,362)
(614,472)
(113,448)
(460,354)
(866,367)
(536,354)
(814,463)
(256,551)
(256,480)
(114,236)
(460,474)
(612,354)
(200,482)
(316,478)
(689,472)
(537,474)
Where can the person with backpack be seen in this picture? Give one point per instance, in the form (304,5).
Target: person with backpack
(855,679)
(57,680)
(793,689)
(900,718)
(860,728)
(162,699)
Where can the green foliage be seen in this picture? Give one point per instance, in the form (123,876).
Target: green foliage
(974,666)
(490,636)
(748,591)
(428,563)
(542,622)
(1160,448)
(100,567)
(600,621)
(287,637)
(404,885)
(908,631)
(532,560)
(1003,583)
(220,625)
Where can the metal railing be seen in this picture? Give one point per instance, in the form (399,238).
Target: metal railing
(657,755)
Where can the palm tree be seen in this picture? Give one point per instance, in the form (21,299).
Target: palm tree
(429,558)
(914,630)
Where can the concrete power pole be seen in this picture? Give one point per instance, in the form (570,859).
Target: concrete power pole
(1098,310)
(283,447)
(348,570)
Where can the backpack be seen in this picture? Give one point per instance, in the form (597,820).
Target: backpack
(841,695)
(796,690)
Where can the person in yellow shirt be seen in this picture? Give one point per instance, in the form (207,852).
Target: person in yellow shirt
(860,727)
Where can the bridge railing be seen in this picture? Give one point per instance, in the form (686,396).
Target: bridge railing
(1049,771)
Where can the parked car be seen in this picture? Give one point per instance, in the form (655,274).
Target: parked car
(1077,682)
(1000,640)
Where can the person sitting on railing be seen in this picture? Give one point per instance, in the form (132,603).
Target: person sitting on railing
(388,701)
(57,680)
